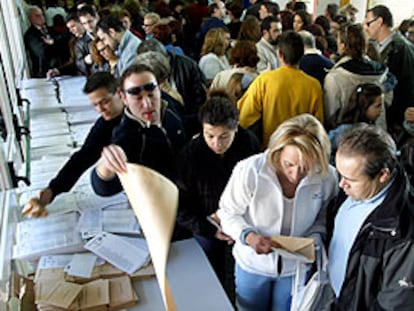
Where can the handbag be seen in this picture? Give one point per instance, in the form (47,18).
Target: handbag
(316,293)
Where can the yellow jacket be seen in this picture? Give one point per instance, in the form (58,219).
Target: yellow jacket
(278,95)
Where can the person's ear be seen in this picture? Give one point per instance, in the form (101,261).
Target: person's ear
(384,175)
(111,32)
(123,97)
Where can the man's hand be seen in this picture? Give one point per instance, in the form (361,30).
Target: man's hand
(220,235)
(409,114)
(113,160)
(36,207)
(52,73)
(88,59)
(260,243)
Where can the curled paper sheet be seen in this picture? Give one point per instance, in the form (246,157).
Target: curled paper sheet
(154,199)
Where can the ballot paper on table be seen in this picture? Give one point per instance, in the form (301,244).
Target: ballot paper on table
(120,221)
(90,222)
(56,234)
(302,249)
(120,253)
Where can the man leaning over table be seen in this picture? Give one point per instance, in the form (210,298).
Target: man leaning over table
(103,92)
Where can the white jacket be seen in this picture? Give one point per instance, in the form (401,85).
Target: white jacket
(253,198)
(267,53)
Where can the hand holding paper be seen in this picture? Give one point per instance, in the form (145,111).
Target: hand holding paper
(290,247)
(261,244)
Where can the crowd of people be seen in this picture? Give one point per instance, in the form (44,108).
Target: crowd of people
(271,121)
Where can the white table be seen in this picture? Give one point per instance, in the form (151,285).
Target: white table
(193,282)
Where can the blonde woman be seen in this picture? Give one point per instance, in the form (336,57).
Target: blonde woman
(213,58)
(277,192)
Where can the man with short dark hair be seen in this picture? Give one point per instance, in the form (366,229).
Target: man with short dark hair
(271,28)
(88,17)
(112,32)
(149,134)
(81,60)
(280,94)
(370,225)
(268,8)
(398,55)
(103,92)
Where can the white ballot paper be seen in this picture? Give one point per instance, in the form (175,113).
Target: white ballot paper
(120,253)
(120,221)
(90,222)
(56,234)
(81,265)
(154,199)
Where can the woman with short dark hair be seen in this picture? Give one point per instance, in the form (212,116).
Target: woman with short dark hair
(204,167)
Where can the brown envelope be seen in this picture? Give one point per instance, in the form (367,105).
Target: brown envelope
(296,245)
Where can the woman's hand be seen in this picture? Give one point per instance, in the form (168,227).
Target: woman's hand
(260,243)
(220,235)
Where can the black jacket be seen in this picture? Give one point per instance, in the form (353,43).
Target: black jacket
(98,137)
(154,147)
(202,177)
(380,270)
(398,56)
(191,84)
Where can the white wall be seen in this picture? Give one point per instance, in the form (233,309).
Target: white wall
(401,9)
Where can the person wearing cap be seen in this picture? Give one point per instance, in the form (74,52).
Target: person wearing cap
(149,134)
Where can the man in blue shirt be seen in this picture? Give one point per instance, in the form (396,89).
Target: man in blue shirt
(371,225)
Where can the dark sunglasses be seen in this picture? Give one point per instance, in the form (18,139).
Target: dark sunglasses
(149,87)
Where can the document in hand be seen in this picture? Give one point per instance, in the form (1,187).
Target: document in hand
(214,220)
(302,249)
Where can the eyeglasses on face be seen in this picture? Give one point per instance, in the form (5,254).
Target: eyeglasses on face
(147,25)
(149,87)
(102,49)
(371,21)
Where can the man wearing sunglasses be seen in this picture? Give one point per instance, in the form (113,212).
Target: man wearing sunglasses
(150,132)
(398,54)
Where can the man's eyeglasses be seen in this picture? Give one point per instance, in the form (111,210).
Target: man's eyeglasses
(371,21)
(149,87)
(147,25)
(102,49)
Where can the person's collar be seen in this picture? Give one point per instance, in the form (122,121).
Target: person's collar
(385,41)
(163,108)
(312,51)
(267,43)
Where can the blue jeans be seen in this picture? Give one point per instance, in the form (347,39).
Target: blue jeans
(262,293)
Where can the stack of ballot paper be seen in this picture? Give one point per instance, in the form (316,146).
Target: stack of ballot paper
(56,234)
(101,294)
(302,249)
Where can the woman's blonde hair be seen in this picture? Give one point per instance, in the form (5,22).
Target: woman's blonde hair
(307,134)
(214,42)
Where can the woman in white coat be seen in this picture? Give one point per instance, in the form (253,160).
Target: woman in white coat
(278,192)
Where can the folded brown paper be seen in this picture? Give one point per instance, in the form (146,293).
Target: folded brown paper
(154,199)
(296,246)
